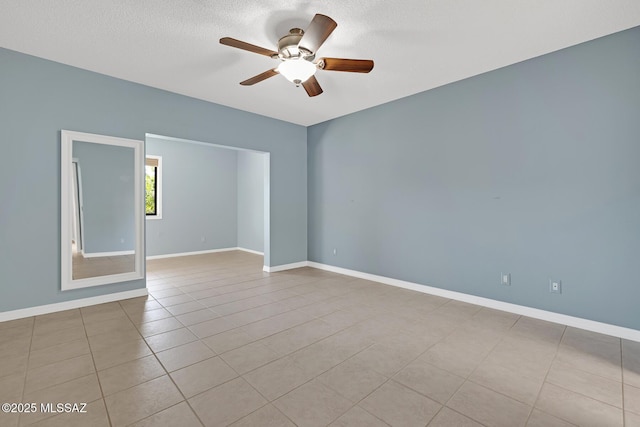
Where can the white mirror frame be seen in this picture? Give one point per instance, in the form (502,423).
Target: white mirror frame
(66,159)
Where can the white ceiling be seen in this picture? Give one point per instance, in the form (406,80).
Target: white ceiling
(416,44)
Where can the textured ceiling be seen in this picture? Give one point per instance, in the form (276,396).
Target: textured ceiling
(416,44)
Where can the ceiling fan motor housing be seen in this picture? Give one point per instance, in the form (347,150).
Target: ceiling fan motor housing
(288,46)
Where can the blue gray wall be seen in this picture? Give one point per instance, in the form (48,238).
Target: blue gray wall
(199,198)
(251,200)
(108,195)
(532,169)
(40,97)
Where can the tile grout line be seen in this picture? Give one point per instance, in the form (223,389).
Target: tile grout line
(179,391)
(238,375)
(533,406)
(259,320)
(243,325)
(104,399)
(315,377)
(544,381)
(588,396)
(264,406)
(66,359)
(245,280)
(173,381)
(26,370)
(466,379)
(128,315)
(212,307)
(375,389)
(337,332)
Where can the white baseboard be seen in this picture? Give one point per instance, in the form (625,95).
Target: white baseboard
(102,254)
(68,305)
(283,267)
(577,322)
(208,251)
(251,251)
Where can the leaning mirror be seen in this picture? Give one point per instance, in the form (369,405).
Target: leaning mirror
(102,216)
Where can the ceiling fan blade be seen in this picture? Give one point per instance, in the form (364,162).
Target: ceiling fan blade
(260,77)
(349,65)
(228,41)
(312,86)
(318,31)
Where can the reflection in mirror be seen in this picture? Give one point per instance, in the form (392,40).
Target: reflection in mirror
(101,210)
(103,204)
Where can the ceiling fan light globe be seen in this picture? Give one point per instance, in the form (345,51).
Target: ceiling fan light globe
(297,71)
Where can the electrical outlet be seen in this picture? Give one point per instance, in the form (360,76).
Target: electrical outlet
(505,279)
(203,239)
(335,252)
(555,286)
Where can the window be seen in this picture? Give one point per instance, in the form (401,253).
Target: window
(153,187)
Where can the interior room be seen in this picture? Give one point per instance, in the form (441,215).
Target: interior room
(215,204)
(312,214)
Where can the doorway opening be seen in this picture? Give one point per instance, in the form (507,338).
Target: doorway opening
(215,198)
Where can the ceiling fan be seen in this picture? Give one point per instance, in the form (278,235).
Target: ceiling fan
(297,52)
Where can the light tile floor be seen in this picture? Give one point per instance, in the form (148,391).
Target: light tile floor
(218,342)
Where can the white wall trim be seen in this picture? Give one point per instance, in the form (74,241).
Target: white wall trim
(68,305)
(101,254)
(577,322)
(283,267)
(251,251)
(178,254)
